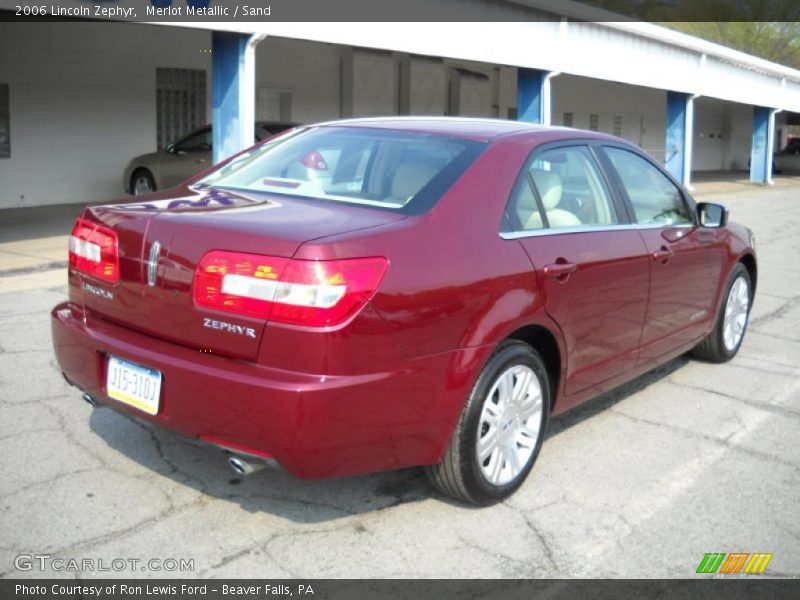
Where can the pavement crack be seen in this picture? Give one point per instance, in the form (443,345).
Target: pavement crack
(265,547)
(51,266)
(227,559)
(548,551)
(17,434)
(781,311)
(297,501)
(118,534)
(766,406)
(525,567)
(173,469)
(48,481)
(725,442)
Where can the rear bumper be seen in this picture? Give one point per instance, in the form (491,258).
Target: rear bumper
(314,426)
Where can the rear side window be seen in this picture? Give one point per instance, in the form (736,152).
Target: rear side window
(561,188)
(390,169)
(655,199)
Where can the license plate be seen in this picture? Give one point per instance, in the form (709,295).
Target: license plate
(133,384)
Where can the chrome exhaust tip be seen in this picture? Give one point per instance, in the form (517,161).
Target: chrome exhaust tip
(90,401)
(244,467)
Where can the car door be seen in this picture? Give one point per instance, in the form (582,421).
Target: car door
(591,265)
(190,155)
(685,260)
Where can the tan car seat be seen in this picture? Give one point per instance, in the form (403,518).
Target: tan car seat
(409,179)
(550,188)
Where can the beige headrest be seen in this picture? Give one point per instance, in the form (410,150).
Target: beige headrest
(410,178)
(548,184)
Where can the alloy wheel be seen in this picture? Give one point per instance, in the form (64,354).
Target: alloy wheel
(736,311)
(142,185)
(510,424)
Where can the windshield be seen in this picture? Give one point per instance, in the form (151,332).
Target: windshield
(391,169)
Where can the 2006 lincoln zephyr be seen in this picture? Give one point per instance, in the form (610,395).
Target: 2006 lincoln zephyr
(374,294)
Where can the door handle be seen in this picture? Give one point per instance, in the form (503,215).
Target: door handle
(201,160)
(560,270)
(662,255)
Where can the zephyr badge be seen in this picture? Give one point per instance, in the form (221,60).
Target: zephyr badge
(152,264)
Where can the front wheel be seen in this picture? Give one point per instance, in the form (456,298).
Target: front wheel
(142,183)
(501,429)
(726,338)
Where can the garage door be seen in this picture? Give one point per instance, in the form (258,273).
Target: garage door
(709,142)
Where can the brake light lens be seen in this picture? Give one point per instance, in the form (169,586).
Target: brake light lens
(94,250)
(317,293)
(314,160)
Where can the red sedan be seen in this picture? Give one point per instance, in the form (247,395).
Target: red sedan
(374,294)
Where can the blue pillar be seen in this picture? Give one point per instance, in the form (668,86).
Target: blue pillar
(761,149)
(228,94)
(531,95)
(680,127)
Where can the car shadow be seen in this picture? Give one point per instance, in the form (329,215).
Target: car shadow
(205,469)
(605,401)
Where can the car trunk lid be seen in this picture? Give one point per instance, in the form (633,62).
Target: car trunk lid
(162,241)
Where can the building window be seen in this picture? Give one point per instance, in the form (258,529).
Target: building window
(567,119)
(5,122)
(180,103)
(594,122)
(618,126)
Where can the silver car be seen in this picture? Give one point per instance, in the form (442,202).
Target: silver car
(177,162)
(788,159)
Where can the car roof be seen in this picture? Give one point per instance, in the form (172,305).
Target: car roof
(280,123)
(465,127)
(288,124)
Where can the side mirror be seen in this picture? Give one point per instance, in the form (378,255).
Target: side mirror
(712,215)
(170,148)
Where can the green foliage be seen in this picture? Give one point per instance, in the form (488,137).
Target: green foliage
(703,10)
(769,29)
(778,42)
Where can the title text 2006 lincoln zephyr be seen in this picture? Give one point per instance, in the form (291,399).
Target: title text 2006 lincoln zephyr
(374,294)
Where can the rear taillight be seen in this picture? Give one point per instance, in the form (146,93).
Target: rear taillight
(93,250)
(302,292)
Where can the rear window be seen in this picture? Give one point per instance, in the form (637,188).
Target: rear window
(398,170)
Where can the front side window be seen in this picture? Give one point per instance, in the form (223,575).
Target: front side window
(561,188)
(384,168)
(655,199)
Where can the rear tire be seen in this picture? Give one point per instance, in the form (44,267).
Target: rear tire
(726,338)
(501,429)
(142,182)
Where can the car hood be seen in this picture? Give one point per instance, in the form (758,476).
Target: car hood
(148,158)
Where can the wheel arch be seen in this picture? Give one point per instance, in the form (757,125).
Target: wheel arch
(749,262)
(543,340)
(139,169)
